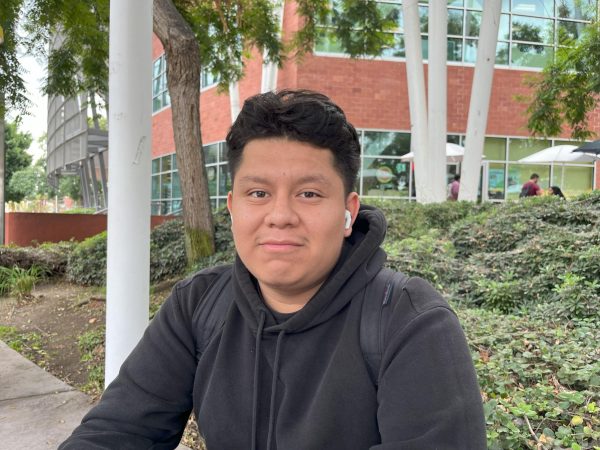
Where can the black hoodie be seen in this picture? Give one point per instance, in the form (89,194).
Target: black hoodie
(300,382)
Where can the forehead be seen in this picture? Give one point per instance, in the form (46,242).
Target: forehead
(295,157)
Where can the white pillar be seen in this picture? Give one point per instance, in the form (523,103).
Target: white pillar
(416,98)
(234,100)
(437,98)
(269,70)
(130,87)
(480,100)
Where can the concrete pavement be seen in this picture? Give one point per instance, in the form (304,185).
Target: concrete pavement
(37,410)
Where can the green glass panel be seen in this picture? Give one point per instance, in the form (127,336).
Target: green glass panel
(157,67)
(177,207)
(223,151)
(385,177)
(576,180)
(391,12)
(156,103)
(174,161)
(502,53)
(520,148)
(532,29)
(470,50)
(211,175)
(156,86)
(176,185)
(210,153)
(455,49)
(494,149)
(224,179)
(155,208)
(577,9)
(425,46)
(327,42)
(155,187)
(527,55)
(424,18)
(456,2)
(386,143)
(166,163)
(156,165)
(543,8)
(518,174)
(569,31)
(165,185)
(398,49)
(455,22)
(472,24)
(475,4)
(496,172)
(504,28)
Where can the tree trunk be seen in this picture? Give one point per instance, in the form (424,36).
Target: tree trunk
(183,78)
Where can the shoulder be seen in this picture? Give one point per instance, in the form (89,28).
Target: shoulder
(190,291)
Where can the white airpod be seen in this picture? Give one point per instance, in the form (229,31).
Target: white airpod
(348,220)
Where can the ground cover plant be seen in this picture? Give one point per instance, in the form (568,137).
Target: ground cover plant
(523,278)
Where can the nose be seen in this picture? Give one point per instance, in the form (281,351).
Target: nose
(282,213)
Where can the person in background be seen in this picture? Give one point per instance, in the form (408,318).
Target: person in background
(453,188)
(555,190)
(531,188)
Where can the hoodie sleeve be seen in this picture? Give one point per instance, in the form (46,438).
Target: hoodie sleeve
(148,404)
(428,393)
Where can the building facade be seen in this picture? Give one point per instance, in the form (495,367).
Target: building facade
(374,94)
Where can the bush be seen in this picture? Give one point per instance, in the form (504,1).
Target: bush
(50,258)
(167,251)
(87,262)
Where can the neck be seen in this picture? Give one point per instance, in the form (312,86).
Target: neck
(287,301)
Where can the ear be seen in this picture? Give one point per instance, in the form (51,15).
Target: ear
(352,205)
(229,201)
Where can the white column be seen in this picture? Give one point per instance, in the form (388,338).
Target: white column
(437,98)
(234,100)
(130,87)
(416,99)
(269,70)
(480,100)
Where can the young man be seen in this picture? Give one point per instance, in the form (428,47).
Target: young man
(284,366)
(453,188)
(531,187)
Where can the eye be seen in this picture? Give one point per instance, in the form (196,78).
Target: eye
(309,194)
(258,194)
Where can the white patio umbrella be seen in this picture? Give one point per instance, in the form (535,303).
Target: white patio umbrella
(454,153)
(558,154)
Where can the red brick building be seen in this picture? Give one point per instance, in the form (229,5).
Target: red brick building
(373,92)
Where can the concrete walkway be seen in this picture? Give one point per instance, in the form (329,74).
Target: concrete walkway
(37,410)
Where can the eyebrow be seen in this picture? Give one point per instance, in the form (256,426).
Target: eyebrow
(312,178)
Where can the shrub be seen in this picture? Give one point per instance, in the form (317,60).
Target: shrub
(18,281)
(167,251)
(87,262)
(51,258)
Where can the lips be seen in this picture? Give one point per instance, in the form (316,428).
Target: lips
(275,245)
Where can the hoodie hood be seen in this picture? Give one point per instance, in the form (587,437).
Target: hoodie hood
(360,260)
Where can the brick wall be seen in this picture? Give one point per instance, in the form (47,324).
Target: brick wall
(26,229)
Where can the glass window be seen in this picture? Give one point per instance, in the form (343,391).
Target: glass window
(211,175)
(504,28)
(210,153)
(494,149)
(455,2)
(160,93)
(224,179)
(502,50)
(166,163)
(528,55)
(577,9)
(470,50)
(207,79)
(532,29)
(569,31)
(385,177)
(424,18)
(520,148)
(518,174)
(176,185)
(155,187)
(398,49)
(223,151)
(496,173)
(386,143)
(473,24)
(455,49)
(544,8)
(455,22)
(574,180)
(156,165)
(165,185)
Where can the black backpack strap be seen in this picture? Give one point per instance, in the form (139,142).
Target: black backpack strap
(385,288)
(212,309)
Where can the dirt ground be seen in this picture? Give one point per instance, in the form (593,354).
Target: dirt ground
(60,313)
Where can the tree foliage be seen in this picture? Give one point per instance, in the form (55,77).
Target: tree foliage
(567,91)
(12,86)
(16,145)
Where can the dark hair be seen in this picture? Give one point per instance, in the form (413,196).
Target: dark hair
(457,177)
(534,175)
(557,191)
(298,115)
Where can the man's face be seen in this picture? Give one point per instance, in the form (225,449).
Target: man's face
(287,207)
